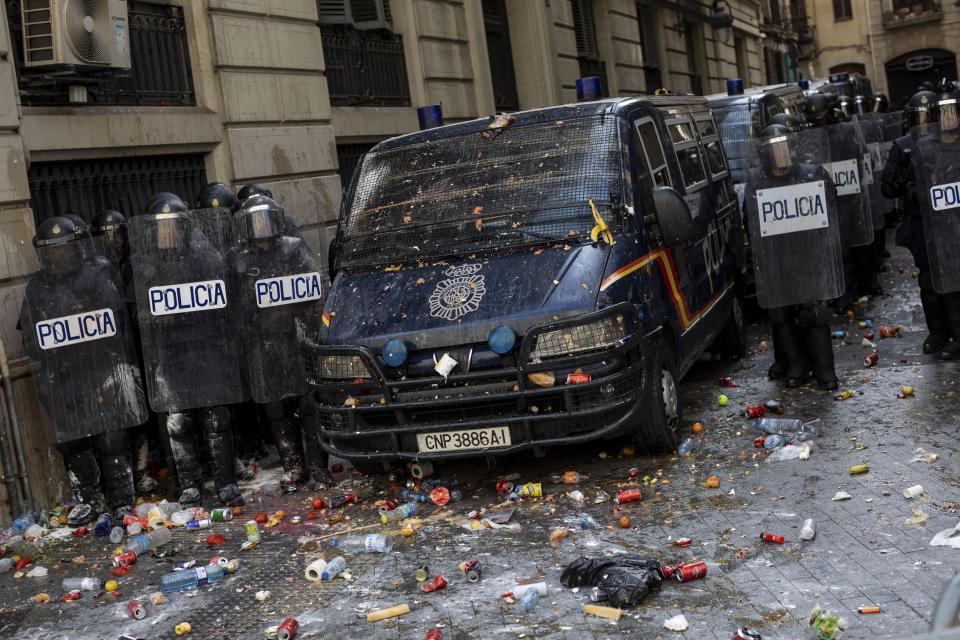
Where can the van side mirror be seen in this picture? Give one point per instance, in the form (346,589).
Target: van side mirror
(673,216)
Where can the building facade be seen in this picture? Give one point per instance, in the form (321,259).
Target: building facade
(291,93)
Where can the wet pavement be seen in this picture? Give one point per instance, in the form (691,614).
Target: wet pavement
(864,552)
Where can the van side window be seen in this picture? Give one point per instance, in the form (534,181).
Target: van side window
(711,147)
(656,164)
(688,155)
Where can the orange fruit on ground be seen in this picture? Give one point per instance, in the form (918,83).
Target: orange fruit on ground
(697,427)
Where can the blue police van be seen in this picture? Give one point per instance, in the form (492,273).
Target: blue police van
(532,279)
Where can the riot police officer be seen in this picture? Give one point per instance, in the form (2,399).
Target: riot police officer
(77,334)
(279,285)
(935,159)
(880,102)
(796,266)
(290,227)
(188,331)
(898,181)
(217,194)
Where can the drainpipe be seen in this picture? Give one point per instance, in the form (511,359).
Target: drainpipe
(7,381)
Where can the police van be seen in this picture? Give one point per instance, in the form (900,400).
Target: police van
(532,279)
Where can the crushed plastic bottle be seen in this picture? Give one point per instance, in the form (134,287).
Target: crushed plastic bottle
(370,543)
(809,530)
(798,429)
(81,584)
(587,521)
(402,512)
(774,441)
(102,528)
(19,526)
(5,564)
(143,509)
(333,568)
(144,542)
(529,600)
(569,477)
(183,516)
(195,577)
(686,448)
(116,535)
(33,532)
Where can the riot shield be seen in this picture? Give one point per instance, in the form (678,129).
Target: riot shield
(187,313)
(79,340)
(893,128)
(845,166)
(871,133)
(793,220)
(936,164)
(214,226)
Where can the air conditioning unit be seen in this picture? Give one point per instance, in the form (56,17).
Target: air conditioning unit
(93,34)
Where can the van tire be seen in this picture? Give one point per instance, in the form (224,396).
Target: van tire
(732,341)
(659,432)
(369,467)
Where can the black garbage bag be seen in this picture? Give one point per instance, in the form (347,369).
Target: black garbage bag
(623,581)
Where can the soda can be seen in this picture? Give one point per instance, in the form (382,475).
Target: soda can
(727,381)
(253,531)
(504,486)
(871,360)
(203,523)
(221,515)
(473,515)
(633,473)
(578,378)
(434,634)
(473,570)
(692,571)
(758,443)
(773,406)
(756,411)
(287,630)
(666,570)
(683,542)
(746,634)
(422,573)
(125,559)
(772,537)
(439,582)
(219,560)
(137,612)
(628,495)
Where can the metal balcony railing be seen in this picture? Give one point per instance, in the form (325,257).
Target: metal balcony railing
(365,68)
(908,13)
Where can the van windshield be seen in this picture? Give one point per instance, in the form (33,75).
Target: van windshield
(518,185)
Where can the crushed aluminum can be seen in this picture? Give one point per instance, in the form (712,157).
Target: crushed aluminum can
(759,442)
(871,360)
(249,544)
(666,570)
(692,571)
(633,473)
(185,565)
(137,612)
(219,560)
(473,515)
(473,570)
(287,630)
(628,495)
(438,582)
(504,486)
(296,519)
(578,378)
(683,542)
(434,634)
(772,537)
(727,381)
(756,411)
(746,634)
(125,559)
(773,406)
(70,596)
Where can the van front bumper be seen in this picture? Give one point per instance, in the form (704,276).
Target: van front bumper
(379,418)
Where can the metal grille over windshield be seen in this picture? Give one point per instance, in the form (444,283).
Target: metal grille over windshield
(504,187)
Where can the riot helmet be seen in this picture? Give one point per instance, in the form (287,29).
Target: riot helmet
(83,229)
(860,104)
(775,149)
(57,250)
(791,122)
(818,107)
(112,225)
(947,113)
(881,103)
(164,196)
(252,189)
(216,194)
(170,215)
(261,218)
(922,111)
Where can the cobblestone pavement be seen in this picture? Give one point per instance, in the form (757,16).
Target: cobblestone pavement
(864,552)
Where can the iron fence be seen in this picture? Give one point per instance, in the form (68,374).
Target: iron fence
(365,68)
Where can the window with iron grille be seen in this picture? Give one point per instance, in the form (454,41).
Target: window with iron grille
(160,73)
(365,68)
(86,187)
(501,55)
(588,53)
(842,10)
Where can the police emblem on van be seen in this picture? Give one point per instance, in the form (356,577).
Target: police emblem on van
(459,294)
(80,327)
(187,297)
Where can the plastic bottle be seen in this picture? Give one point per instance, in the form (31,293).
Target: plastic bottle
(203,523)
(81,584)
(410,495)
(333,568)
(143,509)
(402,512)
(569,477)
(686,447)
(182,517)
(17,546)
(169,508)
(6,563)
(774,441)
(18,526)
(142,543)
(785,426)
(134,528)
(587,521)
(809,530)
(529,600)
(195,577)
(33,532)
(370,543)
(102,528)
(116,535)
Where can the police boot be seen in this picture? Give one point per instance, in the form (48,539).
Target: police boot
(219,437)
(786,337)
(935,314)
(814,321)
(951,304)
(116,466)
(84,473)
(285,428)
(183,447)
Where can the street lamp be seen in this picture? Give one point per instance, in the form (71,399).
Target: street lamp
(722,21)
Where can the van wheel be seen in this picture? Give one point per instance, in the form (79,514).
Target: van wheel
(660,432)
(369,467)
(732,341)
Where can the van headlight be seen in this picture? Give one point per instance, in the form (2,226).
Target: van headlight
(578,339)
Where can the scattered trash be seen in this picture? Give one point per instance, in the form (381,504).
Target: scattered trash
(713,482)
(947,538)
(924,456)
(676,623)
(37,572)
(697,427)
(558,535)
(791,452)
(841,495)
(627,496)
(827,624)
(918,517)
(136,610)
(586,521)
(390,612)
(889,332)
(683,542)
(569,477)
(722,400)
(846,394)
(434,634)
(624,522)
(41,598)
(685,448)
(333,568)
(868,609)
(905,392)
(111,586)
(542,378)
(622,581)
(859,469)
(438,583)
(688,572)
(81,584)
(157,598)
(472,570)
(445,365)
(746,634)
(727,381)
(871,360)
(772,537)
(756,411)
(287,630)
(913,492)
(808,531)
(183,628)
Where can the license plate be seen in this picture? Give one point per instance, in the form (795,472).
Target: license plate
(464,440)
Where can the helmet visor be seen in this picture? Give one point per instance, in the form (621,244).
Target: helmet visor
(263,222)
(949,119)
(171,231)
(777,153)
(922,121)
